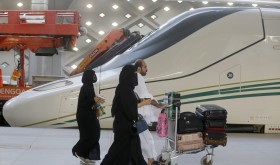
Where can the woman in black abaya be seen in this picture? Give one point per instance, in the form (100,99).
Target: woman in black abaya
(88,123)
(126,148)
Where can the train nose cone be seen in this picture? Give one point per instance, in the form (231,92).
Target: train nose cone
(9,112)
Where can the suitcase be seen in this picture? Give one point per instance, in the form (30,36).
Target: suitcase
(173,99)
(210,111)
(162,125)
(189,123)
(188,142)
(215,139)
(215,130)
(216,123)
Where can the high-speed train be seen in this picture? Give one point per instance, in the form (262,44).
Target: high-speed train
(224,56)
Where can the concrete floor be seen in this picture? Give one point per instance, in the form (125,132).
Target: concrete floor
(33,146)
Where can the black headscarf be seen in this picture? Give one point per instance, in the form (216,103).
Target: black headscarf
(89,77)
(128,76)
(127,81)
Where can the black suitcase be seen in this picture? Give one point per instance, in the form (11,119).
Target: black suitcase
(215,136)
(215,123)
(189,123)
(210,111)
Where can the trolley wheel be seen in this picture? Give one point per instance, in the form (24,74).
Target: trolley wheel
(203,161)
(162,162)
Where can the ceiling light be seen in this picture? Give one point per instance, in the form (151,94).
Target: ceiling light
(254,5)
(154,0)
(127,15)
(205,2)
(230,3)
(4,64)
(101,15)
(115,6)
(17,57)
(88,23)
(89,5)
(153,16)
(75,48)
(20,4)
(140,25)
(141,8)
(115,24)
(88,40)
(101,32)
(179,1)
(166,8)
(74,66)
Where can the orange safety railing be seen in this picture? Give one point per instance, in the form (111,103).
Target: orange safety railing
(47,22)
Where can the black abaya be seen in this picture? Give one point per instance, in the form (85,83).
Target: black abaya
(126,148)
(88,123)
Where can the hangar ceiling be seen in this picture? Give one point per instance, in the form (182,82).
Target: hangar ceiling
(98,27)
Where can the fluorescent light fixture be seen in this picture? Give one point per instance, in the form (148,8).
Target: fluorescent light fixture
(153,16)
(20,4)
(17,57)
(154,0)
(102,15)
(115,24)
(74,66)
(101,32)
(115,7)
(88,23)
(141,8)
(140,25)
(88,40)
(166,8)
(230,3)
(4,64)
(205,2)
(89,5)
(127,15)
(179,1)
(75,48)
(254,5)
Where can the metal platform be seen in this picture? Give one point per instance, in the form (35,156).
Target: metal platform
(44,146)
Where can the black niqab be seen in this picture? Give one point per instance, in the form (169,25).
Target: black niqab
(128,76)
(89,77)
(128,79)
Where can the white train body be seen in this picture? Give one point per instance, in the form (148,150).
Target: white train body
(224,56)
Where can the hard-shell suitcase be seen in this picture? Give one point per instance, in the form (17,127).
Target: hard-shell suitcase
(210,111)
(215,130)
(215,139)
(189,123)
(162,125)
(187,142)
(216,123)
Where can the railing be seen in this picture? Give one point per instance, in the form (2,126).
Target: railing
(42,22)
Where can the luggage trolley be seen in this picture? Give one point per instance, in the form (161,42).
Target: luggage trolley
(169,154)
